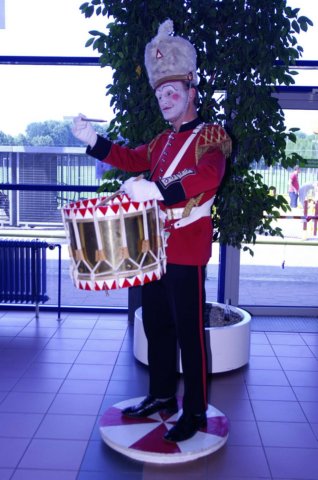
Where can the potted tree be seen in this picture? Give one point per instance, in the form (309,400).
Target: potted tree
(245,49)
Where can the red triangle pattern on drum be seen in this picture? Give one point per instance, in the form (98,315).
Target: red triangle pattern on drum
(126,206)
(147,279)
(82,211)
(102,209)
(114,208)
(126,283)
(136,282)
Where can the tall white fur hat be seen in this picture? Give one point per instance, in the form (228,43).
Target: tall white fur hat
(170,58)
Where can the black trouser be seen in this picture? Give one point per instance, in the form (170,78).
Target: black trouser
(173,310)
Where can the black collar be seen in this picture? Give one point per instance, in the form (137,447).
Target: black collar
(190,125)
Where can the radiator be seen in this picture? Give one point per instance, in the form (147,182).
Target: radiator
(23,271)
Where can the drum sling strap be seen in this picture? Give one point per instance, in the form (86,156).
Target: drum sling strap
(196,212)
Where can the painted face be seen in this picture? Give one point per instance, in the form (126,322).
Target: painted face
(173,100)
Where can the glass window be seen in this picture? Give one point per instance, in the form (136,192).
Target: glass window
(34,93)
(49,28)
(283,272)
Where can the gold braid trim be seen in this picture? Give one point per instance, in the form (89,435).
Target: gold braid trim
(211,137)
(193,202)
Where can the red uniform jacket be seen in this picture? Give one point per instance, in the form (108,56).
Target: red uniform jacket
(199,172)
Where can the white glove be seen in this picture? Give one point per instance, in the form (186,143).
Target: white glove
(141,190)
(84,131)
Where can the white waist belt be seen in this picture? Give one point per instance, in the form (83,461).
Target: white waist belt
(203,210)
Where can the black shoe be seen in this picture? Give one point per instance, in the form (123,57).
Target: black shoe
(151,405)
(186,427)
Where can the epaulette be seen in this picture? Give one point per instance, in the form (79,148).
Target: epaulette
(213,136)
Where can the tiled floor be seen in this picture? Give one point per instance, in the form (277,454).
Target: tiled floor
(56,379)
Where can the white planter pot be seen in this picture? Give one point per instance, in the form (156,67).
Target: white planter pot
(228,347)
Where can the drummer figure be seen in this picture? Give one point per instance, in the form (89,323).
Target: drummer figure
(186,164)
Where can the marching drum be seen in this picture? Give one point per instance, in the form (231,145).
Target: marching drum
(114,242)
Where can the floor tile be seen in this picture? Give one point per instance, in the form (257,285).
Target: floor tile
(11,451)
(130,390)
(54,389)
(27,402)
(243,433)
(56,356)
(84,386)
(115,475)
(54,454)
(314,427)
(293,463)
(44,385)
(31,342)
(195,470)
(124,358)
(76,333)
(29,474)
(269,392)
(309,394)
(287,434)
(72,404)
(259,338)
(302,379)
(266,377)
(262,349)
(311,411)
(77,323)
(37,332)
(48,370)
(9,331)
(264,363)
(299,363)
(90,372)
(6,384)
(285,339)
(100,458)
(103,345)
(74,427)
(231,461)
(292,351)
(310,338)
(19,425)
(96,358)
(65,344)
(235,409)
(218,392)
(5,473)
(277,411)
(107,334)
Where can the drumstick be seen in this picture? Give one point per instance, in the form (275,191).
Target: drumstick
(97,120)
(118,192)
(86,119)
(111,197)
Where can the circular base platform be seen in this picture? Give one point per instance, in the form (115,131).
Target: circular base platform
(142,438)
